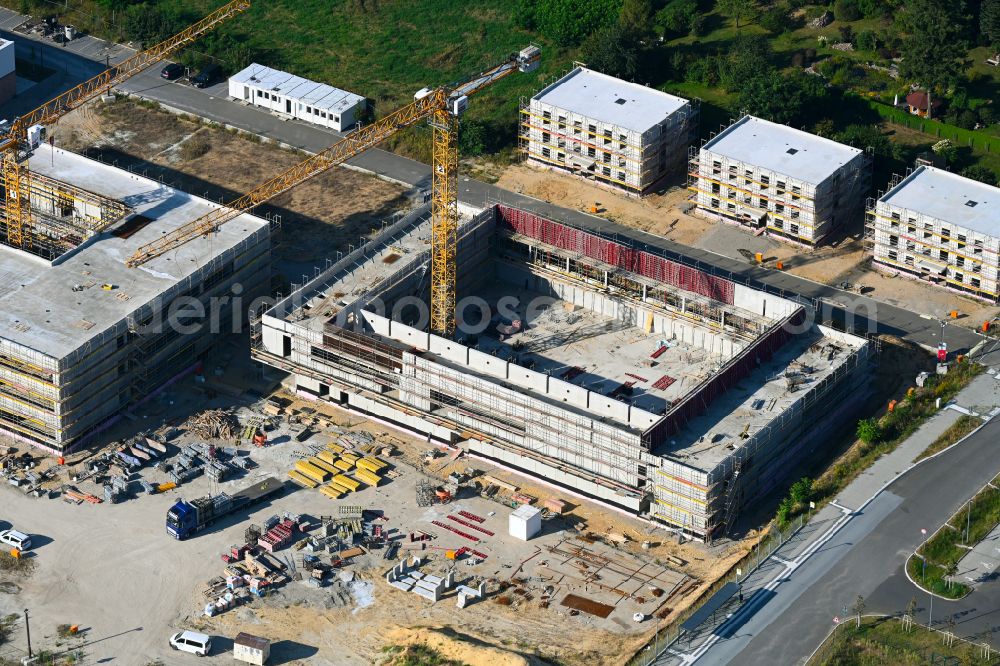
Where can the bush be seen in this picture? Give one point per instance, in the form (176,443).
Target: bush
(801,491)
(869,431)
(866,41)
(982,174)
(196,146)
(677,17)
(987,114)
(846,34)
(846,10)
(776,20)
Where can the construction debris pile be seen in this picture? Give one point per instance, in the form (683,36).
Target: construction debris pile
(215,424)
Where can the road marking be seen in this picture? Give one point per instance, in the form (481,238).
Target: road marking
(843,508)
(750,608)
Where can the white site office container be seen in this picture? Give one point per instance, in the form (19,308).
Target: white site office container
(525,522)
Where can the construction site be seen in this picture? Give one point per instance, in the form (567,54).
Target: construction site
(616,374)
(472,416)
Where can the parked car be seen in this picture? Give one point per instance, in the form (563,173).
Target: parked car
(172,71)
(15,539)
(205,77)
(192,641)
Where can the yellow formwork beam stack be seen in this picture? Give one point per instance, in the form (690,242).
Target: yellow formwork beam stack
(323,465)
(336,448)
(301,479)
(338,486)
(331,492)
(347,482)
(370,478)
(371,464)
(310,470)
(344,465)
(327,456)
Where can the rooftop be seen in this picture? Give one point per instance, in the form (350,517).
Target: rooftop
(38,306)
(763,396)
(610,100)
(319,95)
(950,198)
(781,149)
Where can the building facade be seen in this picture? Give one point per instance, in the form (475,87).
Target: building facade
(290,95)
(8,77)
(940,227)
(781,181)
(83,337)
(619,134)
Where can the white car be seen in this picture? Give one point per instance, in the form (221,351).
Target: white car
(15,539)
(193,642)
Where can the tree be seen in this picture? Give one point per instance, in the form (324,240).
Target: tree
(636,16)
(989,22)
(982,174)
(801,491)
(934,47)
(868,137)
(846,10)
(748,56)
(569,22)
(859,608)
(776,20)
(866,40)
(677,16)
(869,431)
(613,50)
(739,11)
(788,100)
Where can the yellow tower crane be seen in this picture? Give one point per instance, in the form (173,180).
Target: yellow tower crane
(441,106)
(15,145)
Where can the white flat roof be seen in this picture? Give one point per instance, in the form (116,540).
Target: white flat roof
(38,307)
(781,149)
(610,100)
(319,95)
(950,198)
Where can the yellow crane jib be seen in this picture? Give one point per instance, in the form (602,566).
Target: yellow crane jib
(441,106)
(14,144)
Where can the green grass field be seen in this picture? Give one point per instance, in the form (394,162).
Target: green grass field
(884,641)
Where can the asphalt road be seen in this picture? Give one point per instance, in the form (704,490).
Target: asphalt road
(866,558)
(83,58)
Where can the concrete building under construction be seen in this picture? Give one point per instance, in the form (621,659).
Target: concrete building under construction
(82,337)
(790,184)
(620,134)
(605,369)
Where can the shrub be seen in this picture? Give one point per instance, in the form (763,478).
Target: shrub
(869,431)
(866,40)
(776,20)
(981,173)
(196,146)
(846,10)
(677,17)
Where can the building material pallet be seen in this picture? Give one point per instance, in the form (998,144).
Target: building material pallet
(663,382)
(323,465)
(331,492)
(460,533)
(471,516)
(659,352)
(470,525)
(312,471)
(347,482)
(364,475)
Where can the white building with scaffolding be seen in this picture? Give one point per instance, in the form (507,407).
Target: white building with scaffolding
(779,180)
(939,227)
(611,371)
(616,133)
(83,337)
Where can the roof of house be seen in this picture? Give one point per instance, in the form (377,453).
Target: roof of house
(781,149)
(918,100)
(609,100)
(318,95)
(950,198)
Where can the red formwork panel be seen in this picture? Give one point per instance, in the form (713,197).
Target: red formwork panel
(616,254)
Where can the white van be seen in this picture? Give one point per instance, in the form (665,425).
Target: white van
(15,539)
(193,642)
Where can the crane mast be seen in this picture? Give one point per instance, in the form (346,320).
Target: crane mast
(441,106)
(14,145)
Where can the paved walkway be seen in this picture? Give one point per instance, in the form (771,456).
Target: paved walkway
(772,589)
